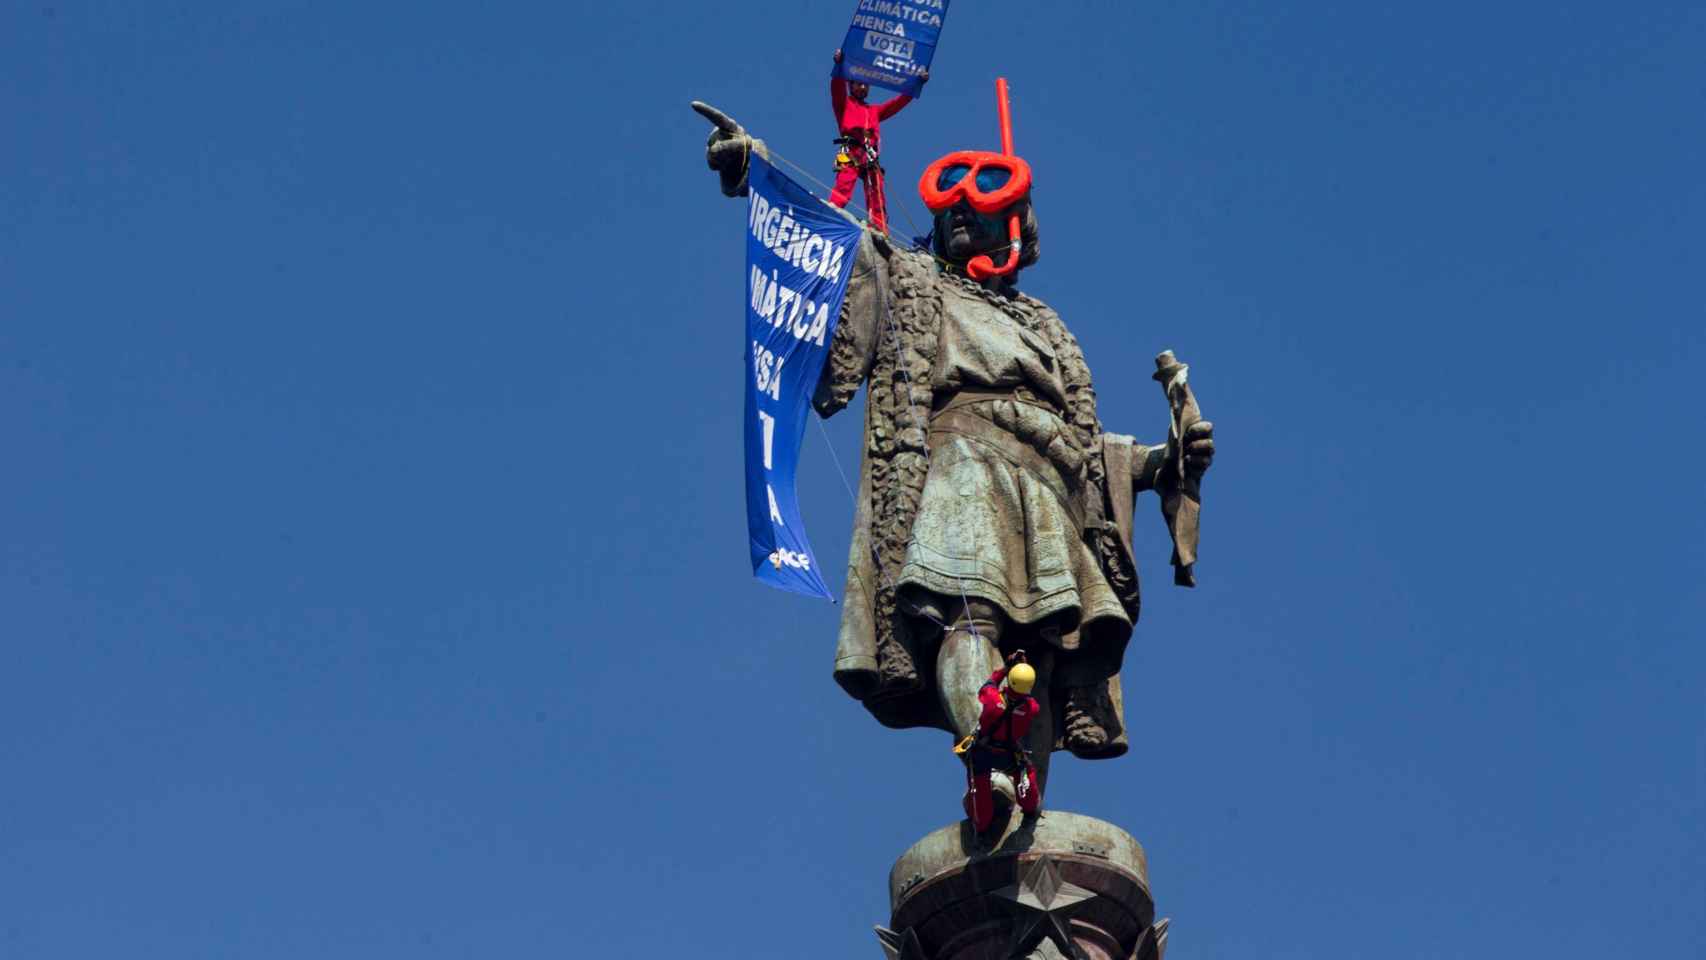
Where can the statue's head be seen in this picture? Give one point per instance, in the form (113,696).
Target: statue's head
(859,90)
(974,195)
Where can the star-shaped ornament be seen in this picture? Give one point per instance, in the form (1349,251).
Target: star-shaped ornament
(900,946)
(1152,944)
(1042,903)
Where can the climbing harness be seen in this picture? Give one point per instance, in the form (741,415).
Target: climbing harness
(998,740)
(858,151)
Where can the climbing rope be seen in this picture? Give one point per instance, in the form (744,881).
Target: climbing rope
(866,220)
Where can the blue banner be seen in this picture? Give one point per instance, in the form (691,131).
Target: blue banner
(799,256)
(891,42)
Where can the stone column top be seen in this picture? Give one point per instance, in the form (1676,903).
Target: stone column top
(1065,836)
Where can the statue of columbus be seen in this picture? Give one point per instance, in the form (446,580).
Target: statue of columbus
(993,511)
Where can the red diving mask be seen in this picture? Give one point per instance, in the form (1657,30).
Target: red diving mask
(990,182)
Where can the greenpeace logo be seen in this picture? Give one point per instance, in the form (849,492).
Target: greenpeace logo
(785,557)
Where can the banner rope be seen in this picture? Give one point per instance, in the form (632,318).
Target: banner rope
(853,498)
(866,220)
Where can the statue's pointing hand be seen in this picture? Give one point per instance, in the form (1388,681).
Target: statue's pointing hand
(1199,448)
(728,149)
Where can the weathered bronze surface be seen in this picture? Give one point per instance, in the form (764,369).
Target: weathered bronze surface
(1062,885)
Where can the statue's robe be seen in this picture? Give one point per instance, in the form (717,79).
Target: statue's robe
(985,474)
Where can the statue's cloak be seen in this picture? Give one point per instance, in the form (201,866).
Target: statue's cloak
(888,336)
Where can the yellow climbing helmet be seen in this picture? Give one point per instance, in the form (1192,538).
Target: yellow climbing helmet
(1021,678)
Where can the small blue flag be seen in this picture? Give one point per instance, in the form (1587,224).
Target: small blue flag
(891,42)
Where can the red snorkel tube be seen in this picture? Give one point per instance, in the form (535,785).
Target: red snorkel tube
(982,266)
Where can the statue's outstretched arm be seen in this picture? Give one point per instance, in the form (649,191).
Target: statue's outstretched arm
(729,149)
(729,152)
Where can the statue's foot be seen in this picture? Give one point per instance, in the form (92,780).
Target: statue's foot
(1001,813)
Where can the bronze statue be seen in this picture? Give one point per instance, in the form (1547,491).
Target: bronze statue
(993,511)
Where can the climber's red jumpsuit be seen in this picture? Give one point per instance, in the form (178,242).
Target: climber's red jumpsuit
(1000,738)
(860,121)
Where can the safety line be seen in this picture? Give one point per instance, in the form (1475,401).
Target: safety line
(853,498)
(866,220)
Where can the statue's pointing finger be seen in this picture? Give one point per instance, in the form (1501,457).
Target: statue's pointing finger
(727,149)
(723,121)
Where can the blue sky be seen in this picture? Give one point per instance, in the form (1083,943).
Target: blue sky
(373,573)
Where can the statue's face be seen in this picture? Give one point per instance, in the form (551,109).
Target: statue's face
(973,195)
(859,90)
(965,233)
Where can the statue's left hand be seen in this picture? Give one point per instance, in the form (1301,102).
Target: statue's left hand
(1199,448)
(727,149)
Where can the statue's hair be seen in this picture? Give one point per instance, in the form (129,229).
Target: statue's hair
(897,448)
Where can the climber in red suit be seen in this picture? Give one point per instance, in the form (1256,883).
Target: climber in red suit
(1000,741)
(860,124)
